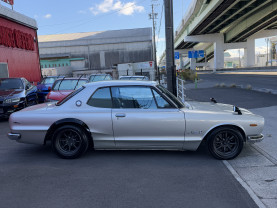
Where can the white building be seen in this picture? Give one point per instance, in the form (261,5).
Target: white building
(96,52)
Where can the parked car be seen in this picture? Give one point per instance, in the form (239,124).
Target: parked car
(135,115)
(45,86)
(99,77)
(16,94)
(63,87)
(139,78)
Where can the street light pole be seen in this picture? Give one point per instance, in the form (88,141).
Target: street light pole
(170,65)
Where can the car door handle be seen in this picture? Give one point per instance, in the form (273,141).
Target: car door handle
(120,115)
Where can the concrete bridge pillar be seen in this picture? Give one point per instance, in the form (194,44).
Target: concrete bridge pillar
(181,61)
(192,63)
(218,40)
(218,55)
(249,53)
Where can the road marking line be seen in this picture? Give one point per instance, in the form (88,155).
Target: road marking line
(244,185)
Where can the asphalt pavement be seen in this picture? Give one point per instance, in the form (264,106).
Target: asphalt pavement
(240,97)
(32,176)
(260,80)
(256,167)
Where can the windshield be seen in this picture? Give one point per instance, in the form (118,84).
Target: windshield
(7,84)
(68,84)
(49,80)
(171,96)
(95,78)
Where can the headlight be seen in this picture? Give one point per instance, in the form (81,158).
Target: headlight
(13,100)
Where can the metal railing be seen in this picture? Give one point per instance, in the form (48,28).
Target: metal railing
(181,88)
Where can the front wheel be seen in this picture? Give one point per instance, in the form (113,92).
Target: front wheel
(32,102)
(225,143)
(70,142)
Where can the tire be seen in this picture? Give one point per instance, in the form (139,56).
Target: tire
(70,142)
(31,103)
(225,143)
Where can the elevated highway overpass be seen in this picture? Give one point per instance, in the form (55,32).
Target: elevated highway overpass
(219,25)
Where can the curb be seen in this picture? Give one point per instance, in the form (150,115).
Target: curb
(255,198)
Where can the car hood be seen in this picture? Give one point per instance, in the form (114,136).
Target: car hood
(214,107)
(58,95)
(10,93)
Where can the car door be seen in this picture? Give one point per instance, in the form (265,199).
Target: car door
(143,119)
(98,118)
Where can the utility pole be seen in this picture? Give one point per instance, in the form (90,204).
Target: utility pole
(153,16)
(170,66)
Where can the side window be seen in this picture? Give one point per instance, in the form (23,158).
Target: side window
(101,98)
(161,102)
(133,97)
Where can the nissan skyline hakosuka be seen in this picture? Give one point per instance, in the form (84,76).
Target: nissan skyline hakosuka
(135,115)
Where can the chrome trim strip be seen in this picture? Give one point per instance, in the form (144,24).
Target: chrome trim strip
(255,138)
(13,136)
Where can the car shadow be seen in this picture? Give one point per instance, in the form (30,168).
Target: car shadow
(39,154)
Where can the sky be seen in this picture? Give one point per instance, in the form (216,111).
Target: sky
(71,16)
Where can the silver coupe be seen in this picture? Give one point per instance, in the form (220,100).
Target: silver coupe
(138,115)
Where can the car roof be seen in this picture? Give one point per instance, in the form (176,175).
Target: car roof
(120,83)
(71,78)
(53,77)
(99,74)
(133,76)
(12,78)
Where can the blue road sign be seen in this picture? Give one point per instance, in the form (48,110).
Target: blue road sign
(196,54)
(176,55)
(201,54)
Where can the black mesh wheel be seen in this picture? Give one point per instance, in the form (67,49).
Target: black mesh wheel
(225,143)
(70,142)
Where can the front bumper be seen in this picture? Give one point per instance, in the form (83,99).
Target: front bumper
(13,136)
(255,138)
(7,109)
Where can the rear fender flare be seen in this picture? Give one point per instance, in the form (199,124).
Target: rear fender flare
(66,121)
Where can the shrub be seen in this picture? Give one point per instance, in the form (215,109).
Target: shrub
(188,74)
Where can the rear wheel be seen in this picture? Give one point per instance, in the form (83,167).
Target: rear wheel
(70,142)
(225,143)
